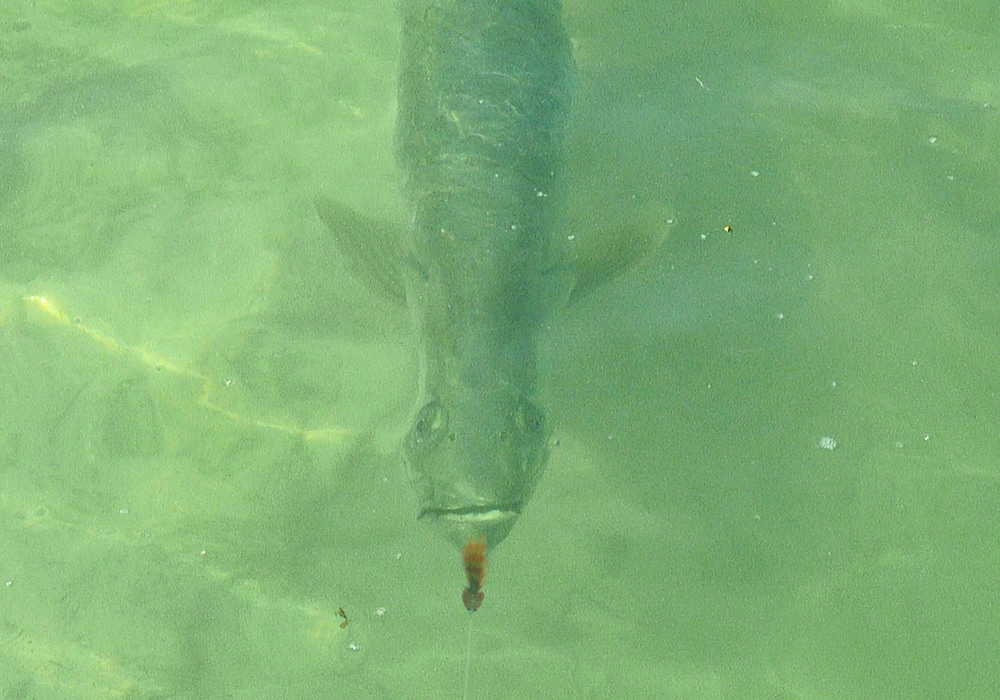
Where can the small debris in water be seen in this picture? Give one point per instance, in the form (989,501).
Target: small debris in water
(827,443)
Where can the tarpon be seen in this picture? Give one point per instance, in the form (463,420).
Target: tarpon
(483,99)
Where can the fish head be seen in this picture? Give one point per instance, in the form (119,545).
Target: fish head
(475,461)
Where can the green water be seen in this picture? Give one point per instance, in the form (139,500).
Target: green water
(201,405)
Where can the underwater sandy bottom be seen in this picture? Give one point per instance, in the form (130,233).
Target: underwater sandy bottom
(773,468)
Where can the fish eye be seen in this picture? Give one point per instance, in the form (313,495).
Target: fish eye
(528,418)
(428,427)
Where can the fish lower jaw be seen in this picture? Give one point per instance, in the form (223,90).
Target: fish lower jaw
(484,513)
(459,525)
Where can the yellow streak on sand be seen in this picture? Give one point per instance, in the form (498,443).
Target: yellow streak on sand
(45,309)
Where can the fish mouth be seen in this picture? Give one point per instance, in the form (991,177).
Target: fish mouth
(472,514)
(458,525)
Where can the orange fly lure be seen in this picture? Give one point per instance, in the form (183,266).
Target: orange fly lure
(474,558)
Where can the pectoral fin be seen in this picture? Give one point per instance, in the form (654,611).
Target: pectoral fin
(598,258)
(372,248)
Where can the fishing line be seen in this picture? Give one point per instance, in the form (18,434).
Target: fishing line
(468,661)
(474,560)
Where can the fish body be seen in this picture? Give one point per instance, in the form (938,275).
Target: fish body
(483,96)
(484,92)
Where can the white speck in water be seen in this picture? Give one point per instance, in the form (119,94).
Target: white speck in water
(754,173)
(932,139)
(379,612)
(354,646)
(899,445)
(827,443)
